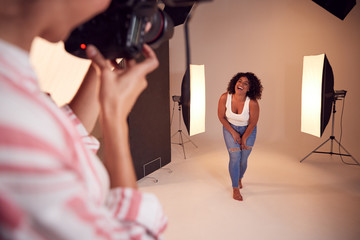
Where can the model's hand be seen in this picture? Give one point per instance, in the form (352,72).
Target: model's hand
(237,137)
(119,88)
(243,144)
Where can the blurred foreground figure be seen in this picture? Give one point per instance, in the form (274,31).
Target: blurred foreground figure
(52,185)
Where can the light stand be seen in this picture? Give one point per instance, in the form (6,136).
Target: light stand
(179,131)
(337,96)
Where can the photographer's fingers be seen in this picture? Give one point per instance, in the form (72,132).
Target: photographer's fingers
(130,63)
(151,62)
(94,54)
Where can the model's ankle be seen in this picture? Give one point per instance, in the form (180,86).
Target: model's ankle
(236,194)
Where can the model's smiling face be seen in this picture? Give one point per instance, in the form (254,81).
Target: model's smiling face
(242,85)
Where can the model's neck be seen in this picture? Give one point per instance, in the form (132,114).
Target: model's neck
(239,96)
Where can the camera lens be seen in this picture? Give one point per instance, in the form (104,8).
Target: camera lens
(162,29)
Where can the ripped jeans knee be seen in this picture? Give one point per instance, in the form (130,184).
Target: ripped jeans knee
(238,158)
(234,149)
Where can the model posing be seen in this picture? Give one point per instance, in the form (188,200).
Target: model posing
(238,111)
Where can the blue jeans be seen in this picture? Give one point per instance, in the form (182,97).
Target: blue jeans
(238,158)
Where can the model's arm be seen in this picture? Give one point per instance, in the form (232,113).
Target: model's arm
(118,92)
(224,121)
(254,112)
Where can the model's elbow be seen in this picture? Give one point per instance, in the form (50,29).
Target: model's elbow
(221,117)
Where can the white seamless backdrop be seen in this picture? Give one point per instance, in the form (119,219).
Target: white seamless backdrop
(270,39)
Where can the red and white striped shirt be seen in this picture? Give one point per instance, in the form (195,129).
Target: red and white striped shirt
(52,185)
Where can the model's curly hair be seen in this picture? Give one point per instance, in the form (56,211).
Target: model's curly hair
(255,89)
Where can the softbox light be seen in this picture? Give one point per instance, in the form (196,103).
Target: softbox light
(178,14)
(193,99)
(340,8)
(317,94)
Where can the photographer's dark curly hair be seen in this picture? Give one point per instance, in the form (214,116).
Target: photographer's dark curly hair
(255,89)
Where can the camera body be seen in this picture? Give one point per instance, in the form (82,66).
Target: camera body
(119,32)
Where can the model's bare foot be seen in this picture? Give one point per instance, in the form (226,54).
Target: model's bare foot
(240,185)
(236,194)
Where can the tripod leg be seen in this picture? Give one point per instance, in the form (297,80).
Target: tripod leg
(349,155)
(189,140)
(181,140)
(182,144)
(314,150)
(172,115)
(174,134)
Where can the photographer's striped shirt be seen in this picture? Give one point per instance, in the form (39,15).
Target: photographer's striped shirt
(52,185)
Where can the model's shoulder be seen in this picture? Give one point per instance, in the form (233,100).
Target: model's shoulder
(223,98)
(253,102)
(224,95)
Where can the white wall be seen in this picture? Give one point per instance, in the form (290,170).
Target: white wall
(59,73)
(270,38)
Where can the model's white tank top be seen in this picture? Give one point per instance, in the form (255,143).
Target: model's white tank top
(237,119)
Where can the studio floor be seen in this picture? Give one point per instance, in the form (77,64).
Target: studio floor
(283,198)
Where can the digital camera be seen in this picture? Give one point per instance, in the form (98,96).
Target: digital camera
(119,32)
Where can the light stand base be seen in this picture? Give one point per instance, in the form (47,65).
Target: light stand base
(338,95)
(331,138)
(181,140)
(180,132)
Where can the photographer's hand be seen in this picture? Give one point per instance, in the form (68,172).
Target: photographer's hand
(118,92)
